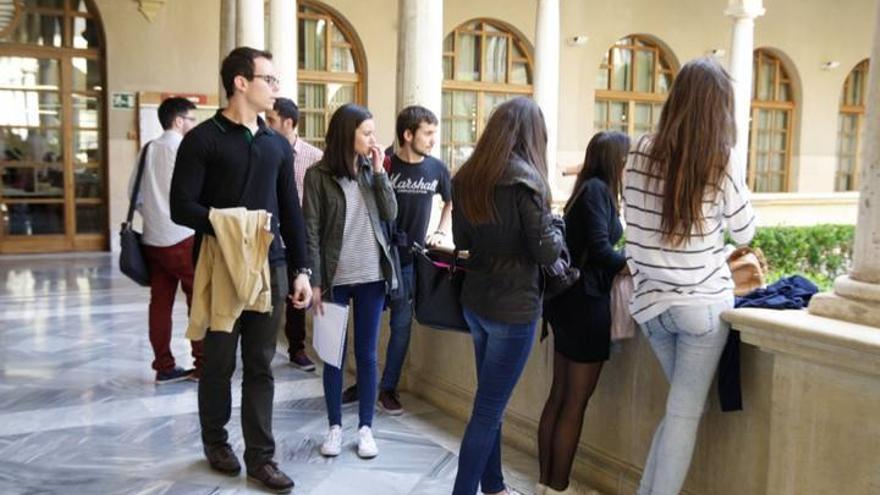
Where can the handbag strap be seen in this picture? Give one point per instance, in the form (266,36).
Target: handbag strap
(137,183)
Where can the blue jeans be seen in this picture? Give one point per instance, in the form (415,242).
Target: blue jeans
(368,300)
(401,325)
(502,350)
(687,341)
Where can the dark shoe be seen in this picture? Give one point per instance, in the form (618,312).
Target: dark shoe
(177,374)
(222,459)
(350,395)
(389,401)
(195,376)
(301,361)
(272,478)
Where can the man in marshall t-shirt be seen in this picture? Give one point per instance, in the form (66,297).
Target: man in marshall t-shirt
(416,177)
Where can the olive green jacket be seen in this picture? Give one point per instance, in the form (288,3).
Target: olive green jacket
(324,212)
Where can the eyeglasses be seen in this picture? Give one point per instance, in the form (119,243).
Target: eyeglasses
(270,80)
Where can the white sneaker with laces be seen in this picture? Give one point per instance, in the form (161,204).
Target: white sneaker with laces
(332,442)
(367,448)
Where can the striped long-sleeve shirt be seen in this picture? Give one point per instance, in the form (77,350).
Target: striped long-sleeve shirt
(696,271)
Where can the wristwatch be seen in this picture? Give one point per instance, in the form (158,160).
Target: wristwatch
(304,271)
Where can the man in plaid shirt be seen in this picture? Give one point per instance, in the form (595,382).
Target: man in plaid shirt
(284,118)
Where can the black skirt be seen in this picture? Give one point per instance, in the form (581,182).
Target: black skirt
(581,324)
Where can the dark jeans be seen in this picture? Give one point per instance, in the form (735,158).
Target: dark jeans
(258,333)
(368,300)
(169,266)
(295,324)
(401,327)
(502,350)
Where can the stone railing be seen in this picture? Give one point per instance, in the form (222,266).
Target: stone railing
(811,390)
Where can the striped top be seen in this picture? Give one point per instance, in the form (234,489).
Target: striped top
(695,272)
(359,257)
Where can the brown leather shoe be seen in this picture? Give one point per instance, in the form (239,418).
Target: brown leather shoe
(389,401)
(272,478)
(350,395)
(222,459)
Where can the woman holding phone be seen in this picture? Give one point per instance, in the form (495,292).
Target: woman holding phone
(347,196)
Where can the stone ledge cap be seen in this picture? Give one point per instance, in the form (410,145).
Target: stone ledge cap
(855,289)
(801,325)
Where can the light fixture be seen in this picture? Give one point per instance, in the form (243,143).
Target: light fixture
(830,65)
(579,40)
(717,52)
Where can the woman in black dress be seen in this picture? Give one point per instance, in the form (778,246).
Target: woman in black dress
(581,317)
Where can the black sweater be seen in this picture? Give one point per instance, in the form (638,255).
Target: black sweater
(220,164)
(592,225)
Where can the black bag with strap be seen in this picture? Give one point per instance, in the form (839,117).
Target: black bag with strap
(131,257)
(437,298)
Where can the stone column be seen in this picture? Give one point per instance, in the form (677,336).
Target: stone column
(742,47)
(546,78)
(227,38)
(283,27)
(251,24)
(420,56)
(856,296)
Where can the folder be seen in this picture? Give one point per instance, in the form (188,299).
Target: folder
(328,333)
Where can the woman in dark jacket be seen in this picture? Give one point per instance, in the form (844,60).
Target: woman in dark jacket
(347,199)
(581,316)
(502,217)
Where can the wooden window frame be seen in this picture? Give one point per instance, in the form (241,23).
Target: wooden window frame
(70,240)
(856,110)
(13,22)
(780,78)
(483,86)
(662,65)
(333,20)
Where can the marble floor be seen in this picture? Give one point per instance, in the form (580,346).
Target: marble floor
(80,414)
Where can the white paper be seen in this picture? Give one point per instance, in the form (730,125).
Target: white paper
(328,333)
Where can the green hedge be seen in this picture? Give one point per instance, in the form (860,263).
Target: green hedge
(819,252)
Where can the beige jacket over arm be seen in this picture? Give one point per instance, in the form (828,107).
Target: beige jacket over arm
(232,273)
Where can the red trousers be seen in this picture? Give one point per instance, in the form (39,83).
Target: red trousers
(168,267)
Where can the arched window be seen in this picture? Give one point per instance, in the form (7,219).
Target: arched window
(485,63)
(633,80)
(52,141)
(771,124)
(332,68)
(849,128)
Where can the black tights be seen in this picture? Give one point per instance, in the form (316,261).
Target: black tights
(560,429)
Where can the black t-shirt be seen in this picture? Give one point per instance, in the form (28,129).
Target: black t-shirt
(415,185)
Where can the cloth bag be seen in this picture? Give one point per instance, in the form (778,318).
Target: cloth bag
(131,255)
(623,326)
(748,267)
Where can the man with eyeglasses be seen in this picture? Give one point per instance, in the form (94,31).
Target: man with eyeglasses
(235,160)
(167,246)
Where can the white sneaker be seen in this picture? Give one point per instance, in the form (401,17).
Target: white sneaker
(367,448)
(332,442)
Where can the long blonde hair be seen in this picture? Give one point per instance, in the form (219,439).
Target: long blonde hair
(691,148)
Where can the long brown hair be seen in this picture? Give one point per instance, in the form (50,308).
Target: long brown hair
(692,146)
(604,159)
(515,128)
